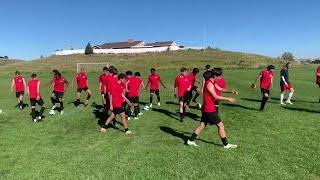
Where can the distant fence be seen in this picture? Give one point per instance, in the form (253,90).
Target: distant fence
(118,51)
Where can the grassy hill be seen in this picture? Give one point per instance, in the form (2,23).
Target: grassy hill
(165,60)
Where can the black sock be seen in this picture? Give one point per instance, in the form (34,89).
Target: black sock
(263,103)
(53,100)
(195,97)
(77,103)
(193,137)
(21,103)
(128,110)
(136,110)
(88,96)
(42,110)
(158,97)
(151,99)
(127,129)
(224,141)
(181,116)
(33,113)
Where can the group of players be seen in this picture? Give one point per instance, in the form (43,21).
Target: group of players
(120,94)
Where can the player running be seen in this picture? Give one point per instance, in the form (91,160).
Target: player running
(103,84)
(266,83)
(182,86)
(19,83)
(59,89)
(153,82)
(285,84)
(117,99)
(193,79)
(209,114)
(33,90)
(82,85)
(318,78)
(134,86)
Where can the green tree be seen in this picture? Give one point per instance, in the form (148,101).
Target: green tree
(287,56)
(89,49)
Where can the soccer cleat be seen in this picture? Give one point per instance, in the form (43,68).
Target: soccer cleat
(192,143)
(39,117)
(51,112)
(159,104)
(230,146)
(136,118)
(150,106)
(140,114)
(129,133)
(103,130)
(35,120)
(129,118)
(289,102)
(200,106)
(20,107)
(61,112)
(283,104)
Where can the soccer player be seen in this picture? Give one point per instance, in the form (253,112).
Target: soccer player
(193,79)
(207,69)
(285,84)
(266,82)
(209,114)
(134,85)
(117,99)
(153,82)
(182,86)
(103,84)
(59,89)
(82,85)
(33,90)
(318,78)
(19,83)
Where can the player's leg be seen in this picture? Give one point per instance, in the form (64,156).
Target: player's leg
(128,108)
(33,110)
(158,96)
(108,121)
(89,94)
(282,97)
(125,124)
(21,99)
(151,97)
(221,131)
(265,97)
(196,133)
(181,108)
(78,102)
(291,91)
(40,102)
(53,100)
(136,107)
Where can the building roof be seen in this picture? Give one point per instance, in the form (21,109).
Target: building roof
(160,44)
(119,45)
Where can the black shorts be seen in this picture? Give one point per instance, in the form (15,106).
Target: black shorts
(157,92)
(134,99)
(79,90)
(34,102)
(210,118)
(264,91)
(118,110)
(58,95)
(185,97)
(20,93)
(194,88)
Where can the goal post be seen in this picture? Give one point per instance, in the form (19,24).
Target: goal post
(94,67)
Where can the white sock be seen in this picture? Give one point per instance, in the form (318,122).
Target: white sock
(290,96)
(281,98)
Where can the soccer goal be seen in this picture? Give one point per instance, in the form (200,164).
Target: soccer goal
(91,67)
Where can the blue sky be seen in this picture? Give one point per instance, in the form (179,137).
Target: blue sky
(269,27)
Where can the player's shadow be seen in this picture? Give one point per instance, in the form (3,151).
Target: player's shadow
(172,103)
(256,100)
(183,135)
(101,115)
(23,105)
(166,112)
(302,101)
(75,103)
(37,115)
(192,116)
(143,103)
(240,106)
(301,109)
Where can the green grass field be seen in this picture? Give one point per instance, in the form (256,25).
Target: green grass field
(281,143)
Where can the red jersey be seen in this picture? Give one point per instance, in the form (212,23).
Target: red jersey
(112,83)
(19,83)
(318,75)
(192,79)
(117,98)
(154,79)
(103,79)
(208,99)
(33,88)
(221,82)
(59,84)
(266,79)
(82,80)
(134,84)
(183,84)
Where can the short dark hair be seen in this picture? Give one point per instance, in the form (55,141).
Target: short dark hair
(121,76)
(56,72)
(271,67)
(183,69)
(195,70)
(207,75)
(33,75)
(129,73)
(105,69)
(153,70)
(17,73)
(137,74)
(113,70)
(216,72)
(208,66)
(288,63)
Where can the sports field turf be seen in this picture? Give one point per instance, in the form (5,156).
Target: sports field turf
(281,143)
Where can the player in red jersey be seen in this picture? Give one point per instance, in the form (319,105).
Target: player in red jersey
(117,99)
(33,90)
(59,89)
(82,85)
(193,79)
(266,83)
(153,82)
(103,85)
(134,86)
(318,78)
(182,86)
(209,114)
(19,83)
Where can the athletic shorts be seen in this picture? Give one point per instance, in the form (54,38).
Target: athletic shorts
(34,102)
(210,118)
(185,97)
(134,99)
(79,90)
(58,95)
(157,92)
(286,87)
(194,88)
(265,91)
(118,110)
(20,93)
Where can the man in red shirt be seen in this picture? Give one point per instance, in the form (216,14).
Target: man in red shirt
(103,83)
(153,82)
(318,78)
(59,89)
(209,114)
(193,79)
(33,90)
(19,83)
(117,99)
(266,82)
(182,87)
(82,85)
(134,86)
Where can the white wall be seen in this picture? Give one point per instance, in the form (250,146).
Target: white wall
(118,51)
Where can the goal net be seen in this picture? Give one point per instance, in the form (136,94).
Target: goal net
(91,67)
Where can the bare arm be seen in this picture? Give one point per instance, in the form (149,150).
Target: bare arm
(141,86)
(212,91)
(24,83)
(38,90)
(12,85)
(225,90)
(162,83)
(284,80)
(258,78)
(51,82)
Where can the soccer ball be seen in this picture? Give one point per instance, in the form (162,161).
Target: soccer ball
(52,113)
(146,108)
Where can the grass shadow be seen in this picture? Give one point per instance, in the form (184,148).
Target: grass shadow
(301,109)
(240,106)
(166,112)
(256,100)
